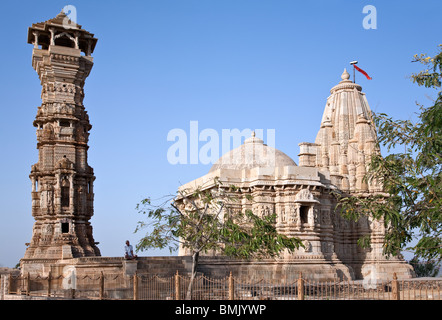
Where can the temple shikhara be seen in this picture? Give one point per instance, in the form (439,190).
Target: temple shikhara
(300,194)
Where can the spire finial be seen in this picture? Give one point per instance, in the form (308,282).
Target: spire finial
(345,75)
(254,139)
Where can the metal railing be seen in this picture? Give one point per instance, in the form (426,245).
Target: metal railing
(175,287)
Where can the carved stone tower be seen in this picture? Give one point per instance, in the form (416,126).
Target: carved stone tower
(62,180)
(346,139)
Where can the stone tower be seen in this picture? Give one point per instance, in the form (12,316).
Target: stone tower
(62,180)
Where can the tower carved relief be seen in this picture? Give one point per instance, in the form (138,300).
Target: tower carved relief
(62,180)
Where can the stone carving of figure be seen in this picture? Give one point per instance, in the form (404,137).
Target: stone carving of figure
(308,246)
(304,194)
(316,215)
(63,108)
(50,200)
(267,210)
(293,214)
(325,217)
(48,229)
(48,131)
(264,211)
(282,215)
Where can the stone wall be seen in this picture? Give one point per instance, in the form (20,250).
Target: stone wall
(110,265)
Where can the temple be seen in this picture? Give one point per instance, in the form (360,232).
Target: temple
(301,196)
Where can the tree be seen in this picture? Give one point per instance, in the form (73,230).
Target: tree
(425,269)
(412,180)
(207,220)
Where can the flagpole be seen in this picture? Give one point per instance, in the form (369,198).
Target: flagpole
(354,72)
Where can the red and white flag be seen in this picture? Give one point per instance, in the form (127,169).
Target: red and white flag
(362,71)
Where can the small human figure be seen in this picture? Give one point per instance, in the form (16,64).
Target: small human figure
(129,253)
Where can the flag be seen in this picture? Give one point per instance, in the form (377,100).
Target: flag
(362,71)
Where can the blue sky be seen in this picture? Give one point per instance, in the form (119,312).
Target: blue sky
(227,64)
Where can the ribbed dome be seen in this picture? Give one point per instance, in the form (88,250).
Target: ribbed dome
(253,153)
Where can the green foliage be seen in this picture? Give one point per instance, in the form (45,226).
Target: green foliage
(425,269)
(412,180)
(207,221)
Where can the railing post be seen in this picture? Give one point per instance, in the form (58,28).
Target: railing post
(395,288)
(231,287)
(28,284)
(177,286)
(135,286)
(101,285)
(2,286)
(49,283)
(9,278)
(300,287)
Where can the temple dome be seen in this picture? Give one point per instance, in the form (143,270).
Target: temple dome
(252,154)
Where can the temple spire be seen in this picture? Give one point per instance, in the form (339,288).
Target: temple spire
(346,137)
